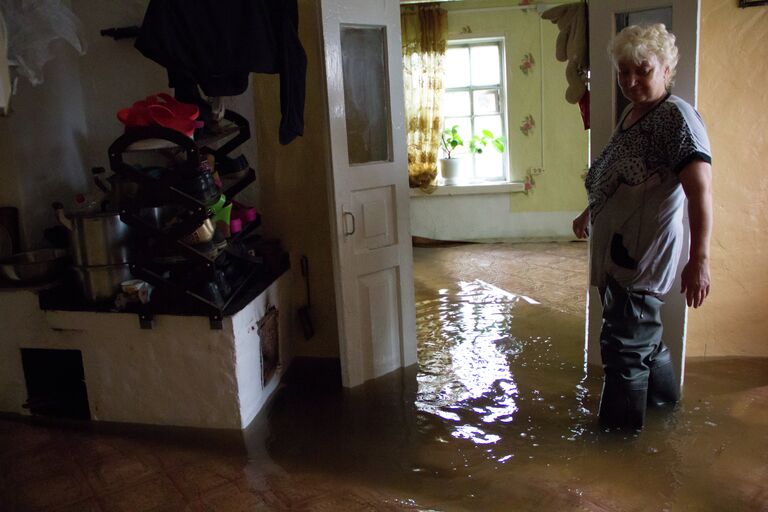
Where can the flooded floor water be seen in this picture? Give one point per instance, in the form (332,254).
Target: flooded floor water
(499,414)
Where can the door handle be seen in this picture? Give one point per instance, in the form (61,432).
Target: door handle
(349,215)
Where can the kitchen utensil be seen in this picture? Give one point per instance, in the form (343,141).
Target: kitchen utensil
(101,283)
(305,316)
(97,238)
(33,266)
(118,190)
(162,217)
(204,233)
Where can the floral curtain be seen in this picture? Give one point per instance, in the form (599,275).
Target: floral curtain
(424,29)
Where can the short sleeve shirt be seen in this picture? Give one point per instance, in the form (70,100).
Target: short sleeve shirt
(636,199)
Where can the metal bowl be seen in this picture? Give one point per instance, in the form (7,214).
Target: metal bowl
(33,266)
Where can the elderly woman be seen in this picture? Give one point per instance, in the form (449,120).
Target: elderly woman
(657,157)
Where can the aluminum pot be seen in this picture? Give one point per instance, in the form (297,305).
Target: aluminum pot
(102,283)
(203,233)
(33,266)
(98,238)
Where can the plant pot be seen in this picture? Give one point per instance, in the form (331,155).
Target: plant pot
(450,168)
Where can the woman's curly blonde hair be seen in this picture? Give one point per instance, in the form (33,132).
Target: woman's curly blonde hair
(640,42)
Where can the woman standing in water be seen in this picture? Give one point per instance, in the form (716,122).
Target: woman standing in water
(658,156)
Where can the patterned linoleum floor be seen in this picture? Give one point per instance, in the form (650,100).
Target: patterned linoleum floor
(554,274)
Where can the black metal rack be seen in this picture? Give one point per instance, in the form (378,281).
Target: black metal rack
(193,280)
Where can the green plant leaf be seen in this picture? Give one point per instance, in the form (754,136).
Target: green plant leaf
(488,133)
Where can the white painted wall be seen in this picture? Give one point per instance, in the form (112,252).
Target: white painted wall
(248,368)
(180,373)
(484,217)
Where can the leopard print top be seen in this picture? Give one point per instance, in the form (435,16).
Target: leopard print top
(636,200)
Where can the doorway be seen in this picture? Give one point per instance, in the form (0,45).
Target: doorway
(547,152)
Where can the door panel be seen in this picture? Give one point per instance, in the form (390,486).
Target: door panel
(379,324)
(373,261)
(603,111)
(377,219)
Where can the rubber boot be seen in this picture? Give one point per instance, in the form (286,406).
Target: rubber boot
(622,408)
(662,384)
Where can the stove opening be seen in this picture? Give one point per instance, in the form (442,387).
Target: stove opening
(55,383)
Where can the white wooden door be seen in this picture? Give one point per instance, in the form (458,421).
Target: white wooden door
(604,92)
(373,259)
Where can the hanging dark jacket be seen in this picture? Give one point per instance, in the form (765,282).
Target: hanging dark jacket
(216,43)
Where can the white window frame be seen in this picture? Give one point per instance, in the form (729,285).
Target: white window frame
(503,112)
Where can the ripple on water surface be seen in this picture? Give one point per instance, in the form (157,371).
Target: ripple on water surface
(501,410)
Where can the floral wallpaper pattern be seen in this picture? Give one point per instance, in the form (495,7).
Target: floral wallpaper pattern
(527,63)
(528,124)
(530,180)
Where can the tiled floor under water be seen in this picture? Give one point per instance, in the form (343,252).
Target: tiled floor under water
(498,415)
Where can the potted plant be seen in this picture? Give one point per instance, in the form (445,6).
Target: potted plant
(450,140)
(480,142)
(450,165)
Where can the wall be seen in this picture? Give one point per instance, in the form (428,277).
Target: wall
(733,102)
(293,186)
(553,154)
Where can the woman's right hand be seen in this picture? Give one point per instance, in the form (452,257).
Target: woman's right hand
(581,224)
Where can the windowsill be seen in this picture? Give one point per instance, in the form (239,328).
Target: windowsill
(468,190)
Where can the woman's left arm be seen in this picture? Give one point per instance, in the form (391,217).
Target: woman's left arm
(696,178)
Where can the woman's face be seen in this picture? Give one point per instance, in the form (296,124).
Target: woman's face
(644,83)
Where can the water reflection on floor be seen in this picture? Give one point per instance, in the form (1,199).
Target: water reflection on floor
(500,415)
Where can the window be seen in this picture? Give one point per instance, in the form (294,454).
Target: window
(475,101)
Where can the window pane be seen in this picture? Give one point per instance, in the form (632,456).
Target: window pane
(456,66)
(489,165)
(465,132)
(492,123)
(457,104)
(485,65)
(486,102)
(366,96)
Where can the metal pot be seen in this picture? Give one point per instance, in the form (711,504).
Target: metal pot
(97,238)
(118,191)
(203,233)
(33,266)
(102,283)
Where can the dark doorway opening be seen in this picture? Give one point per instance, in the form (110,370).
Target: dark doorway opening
(55,383)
